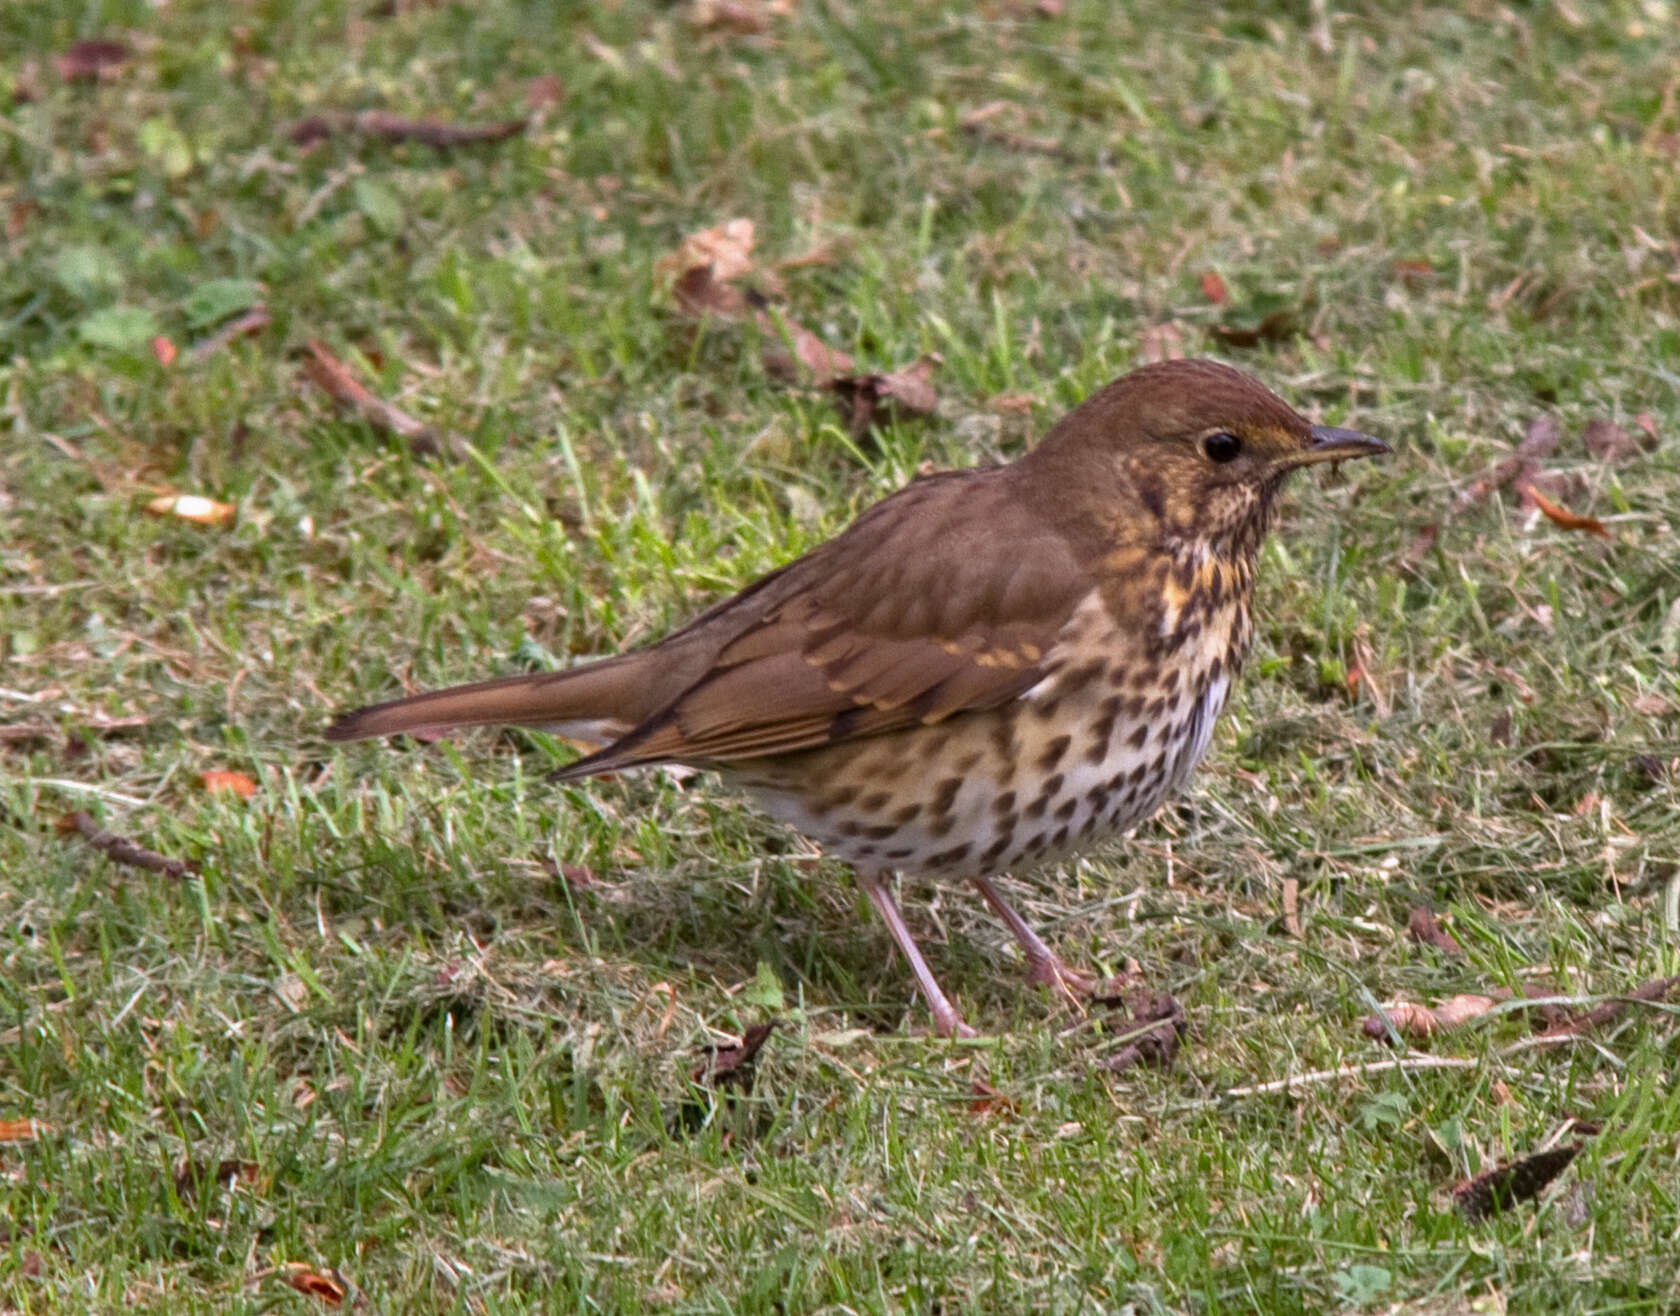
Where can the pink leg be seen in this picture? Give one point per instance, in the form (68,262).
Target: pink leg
(946,1021)
(1043,964)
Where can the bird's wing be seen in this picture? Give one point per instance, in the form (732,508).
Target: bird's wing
(947,597)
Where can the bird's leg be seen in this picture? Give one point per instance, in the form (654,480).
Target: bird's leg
(1044,965)
(946,1021)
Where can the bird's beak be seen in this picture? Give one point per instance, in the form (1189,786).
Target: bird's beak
(1329,444)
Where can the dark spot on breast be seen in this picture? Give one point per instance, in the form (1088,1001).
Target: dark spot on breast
(875,801)
(1137,738)
(1134,707)
(902,852)
(942,826)
(1098,795)
(864,852)
(1156,707)
(1052,787)
(881,833)
(1003,738)
(1059,839)
(945,858)
(1053,752)
(849,828)
(1004,803)
(1047,709)
(1100,733)
(965,764)
(1035,810)
(1007,823)
(842,797)
(907,814)
(995,850)
(945,795)
(1066,809)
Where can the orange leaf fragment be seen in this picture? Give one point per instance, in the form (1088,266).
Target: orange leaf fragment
(234,783)
(163,351)
(306,1279)
(195,508)
(22,1130)
(984,1099)
(1562,516)
(1213,288)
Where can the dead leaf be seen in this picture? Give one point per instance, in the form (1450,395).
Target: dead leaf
(1564,518)
(91,60)
(1426,930)
(1048,8)
(381,126)
(1647,423)
(984,1099)
(22,1130)
(739,17)
(1213,288)
(1652,705)
(233,783)
(190,1176)
(195,508)
(1273,328)
(1540,439)
(1292,906)
(253,321)
(733,1065)
(1505,1186)
(908,391)
(811,358)
(725,249)
(544,92)
(335,379)
(1409,1019)
(1159,1024)
(121,850)
(18,215)
(1161,342)
(1423,543)
(1656,990)
(163,351)
(329,1289)
(1413,272)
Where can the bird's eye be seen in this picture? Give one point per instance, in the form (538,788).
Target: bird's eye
(1222,447)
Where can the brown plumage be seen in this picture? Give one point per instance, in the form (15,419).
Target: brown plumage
(990,668)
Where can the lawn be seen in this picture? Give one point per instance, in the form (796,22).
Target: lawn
(408,1026)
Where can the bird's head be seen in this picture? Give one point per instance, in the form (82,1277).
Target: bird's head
(1187,451)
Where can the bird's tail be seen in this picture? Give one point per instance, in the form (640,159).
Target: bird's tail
(598,701)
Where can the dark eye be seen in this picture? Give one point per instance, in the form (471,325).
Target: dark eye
(1222,447)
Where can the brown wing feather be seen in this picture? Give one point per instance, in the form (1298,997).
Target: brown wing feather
(942,599)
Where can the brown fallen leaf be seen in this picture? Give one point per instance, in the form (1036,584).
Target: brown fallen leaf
(232,783)
(544,92)
(1409,1019)
(908,391)
(1608,441)
(91,60)
(163,351)
(733,1065)
(1292,907)
(1505,1186)
(1161,342)
(725,249)
(380,126)
(984,1099)
(1648,425)
(252,321)
(1273,328)
(329,1289)
(810,358)
(1426,930)
(121,850)
(1652,705)
(1568,1025)
(1540,439)
(1563,517)
(195,508)
(22,1130)
(739,17)
(1158,1021)
(1213,288)
(190,1176)
(1413,272)
(334,378)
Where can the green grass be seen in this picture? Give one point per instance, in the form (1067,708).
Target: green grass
(464,1082)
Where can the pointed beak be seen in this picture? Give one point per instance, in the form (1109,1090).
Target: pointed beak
(1329,444)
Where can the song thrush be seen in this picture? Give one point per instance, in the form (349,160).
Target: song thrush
(989,669)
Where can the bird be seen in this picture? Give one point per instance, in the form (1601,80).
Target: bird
(990,670)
